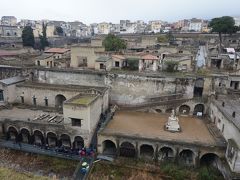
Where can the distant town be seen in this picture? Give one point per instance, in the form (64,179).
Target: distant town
(10,26)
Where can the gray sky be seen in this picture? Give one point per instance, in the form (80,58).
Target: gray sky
(89,11)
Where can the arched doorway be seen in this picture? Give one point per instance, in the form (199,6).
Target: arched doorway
(146,151)
(59,99)
(186,157)
(52,139)
(38,138)
(199,108)
(65,140)
(127,149)
(78,142)
(209,159)
(25,135)
(158,110)
(166,154)
(109,148)
(198,87)
(184,109)
(12,133)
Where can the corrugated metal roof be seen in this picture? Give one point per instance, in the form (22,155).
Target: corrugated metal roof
(12,80)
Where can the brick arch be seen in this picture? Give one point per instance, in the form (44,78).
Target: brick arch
(39,137)
(109,147)
(209,158)
(25,134)
(127,149)
(12,126)
(166,153)
(147,150)
(187,156)
(65,140)
(12,133)
(52,138)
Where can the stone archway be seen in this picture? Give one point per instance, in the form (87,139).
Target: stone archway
(199,108)
(209,159)
(186,157)
(52,139)
(65,140)
(78,142)
(184,109)
(109,148)
(158,110)
(25,135)
(146,151)
(12,133)
(127,149)
(59,100)
(165,154)
(38,138)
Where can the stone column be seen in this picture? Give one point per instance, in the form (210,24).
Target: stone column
(137,155)
(118,147)
(156,153)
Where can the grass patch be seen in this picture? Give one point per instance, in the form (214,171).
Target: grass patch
(176,172)
(58,165)
(9,174)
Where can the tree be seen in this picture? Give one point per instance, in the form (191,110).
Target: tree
(162,39)
(43,38)
(223,25)
(28,37)
(58,31)
(171,66)
(114,43)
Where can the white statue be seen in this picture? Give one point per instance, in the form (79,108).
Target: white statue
(173,123)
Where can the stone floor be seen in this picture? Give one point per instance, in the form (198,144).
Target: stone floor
(150,125)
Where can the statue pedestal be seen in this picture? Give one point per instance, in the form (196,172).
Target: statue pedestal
(173,124)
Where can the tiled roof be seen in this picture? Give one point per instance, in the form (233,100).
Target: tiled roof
(57,50)
(149,57)
(119,57)
(8,53)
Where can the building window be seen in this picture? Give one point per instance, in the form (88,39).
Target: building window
(34,100)
(223,104)
(1,95)
(46,101)
(102,66)
(38,63)
(219,121)
(180,52)
(234,114)
(76,122)
(117,64)
(22,99)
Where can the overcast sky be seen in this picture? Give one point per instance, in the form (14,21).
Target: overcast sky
(89,11)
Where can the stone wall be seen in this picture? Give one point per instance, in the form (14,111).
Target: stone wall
(125,89)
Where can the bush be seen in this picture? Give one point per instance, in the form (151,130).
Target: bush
(132,64)
(171,66)
(176,172)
